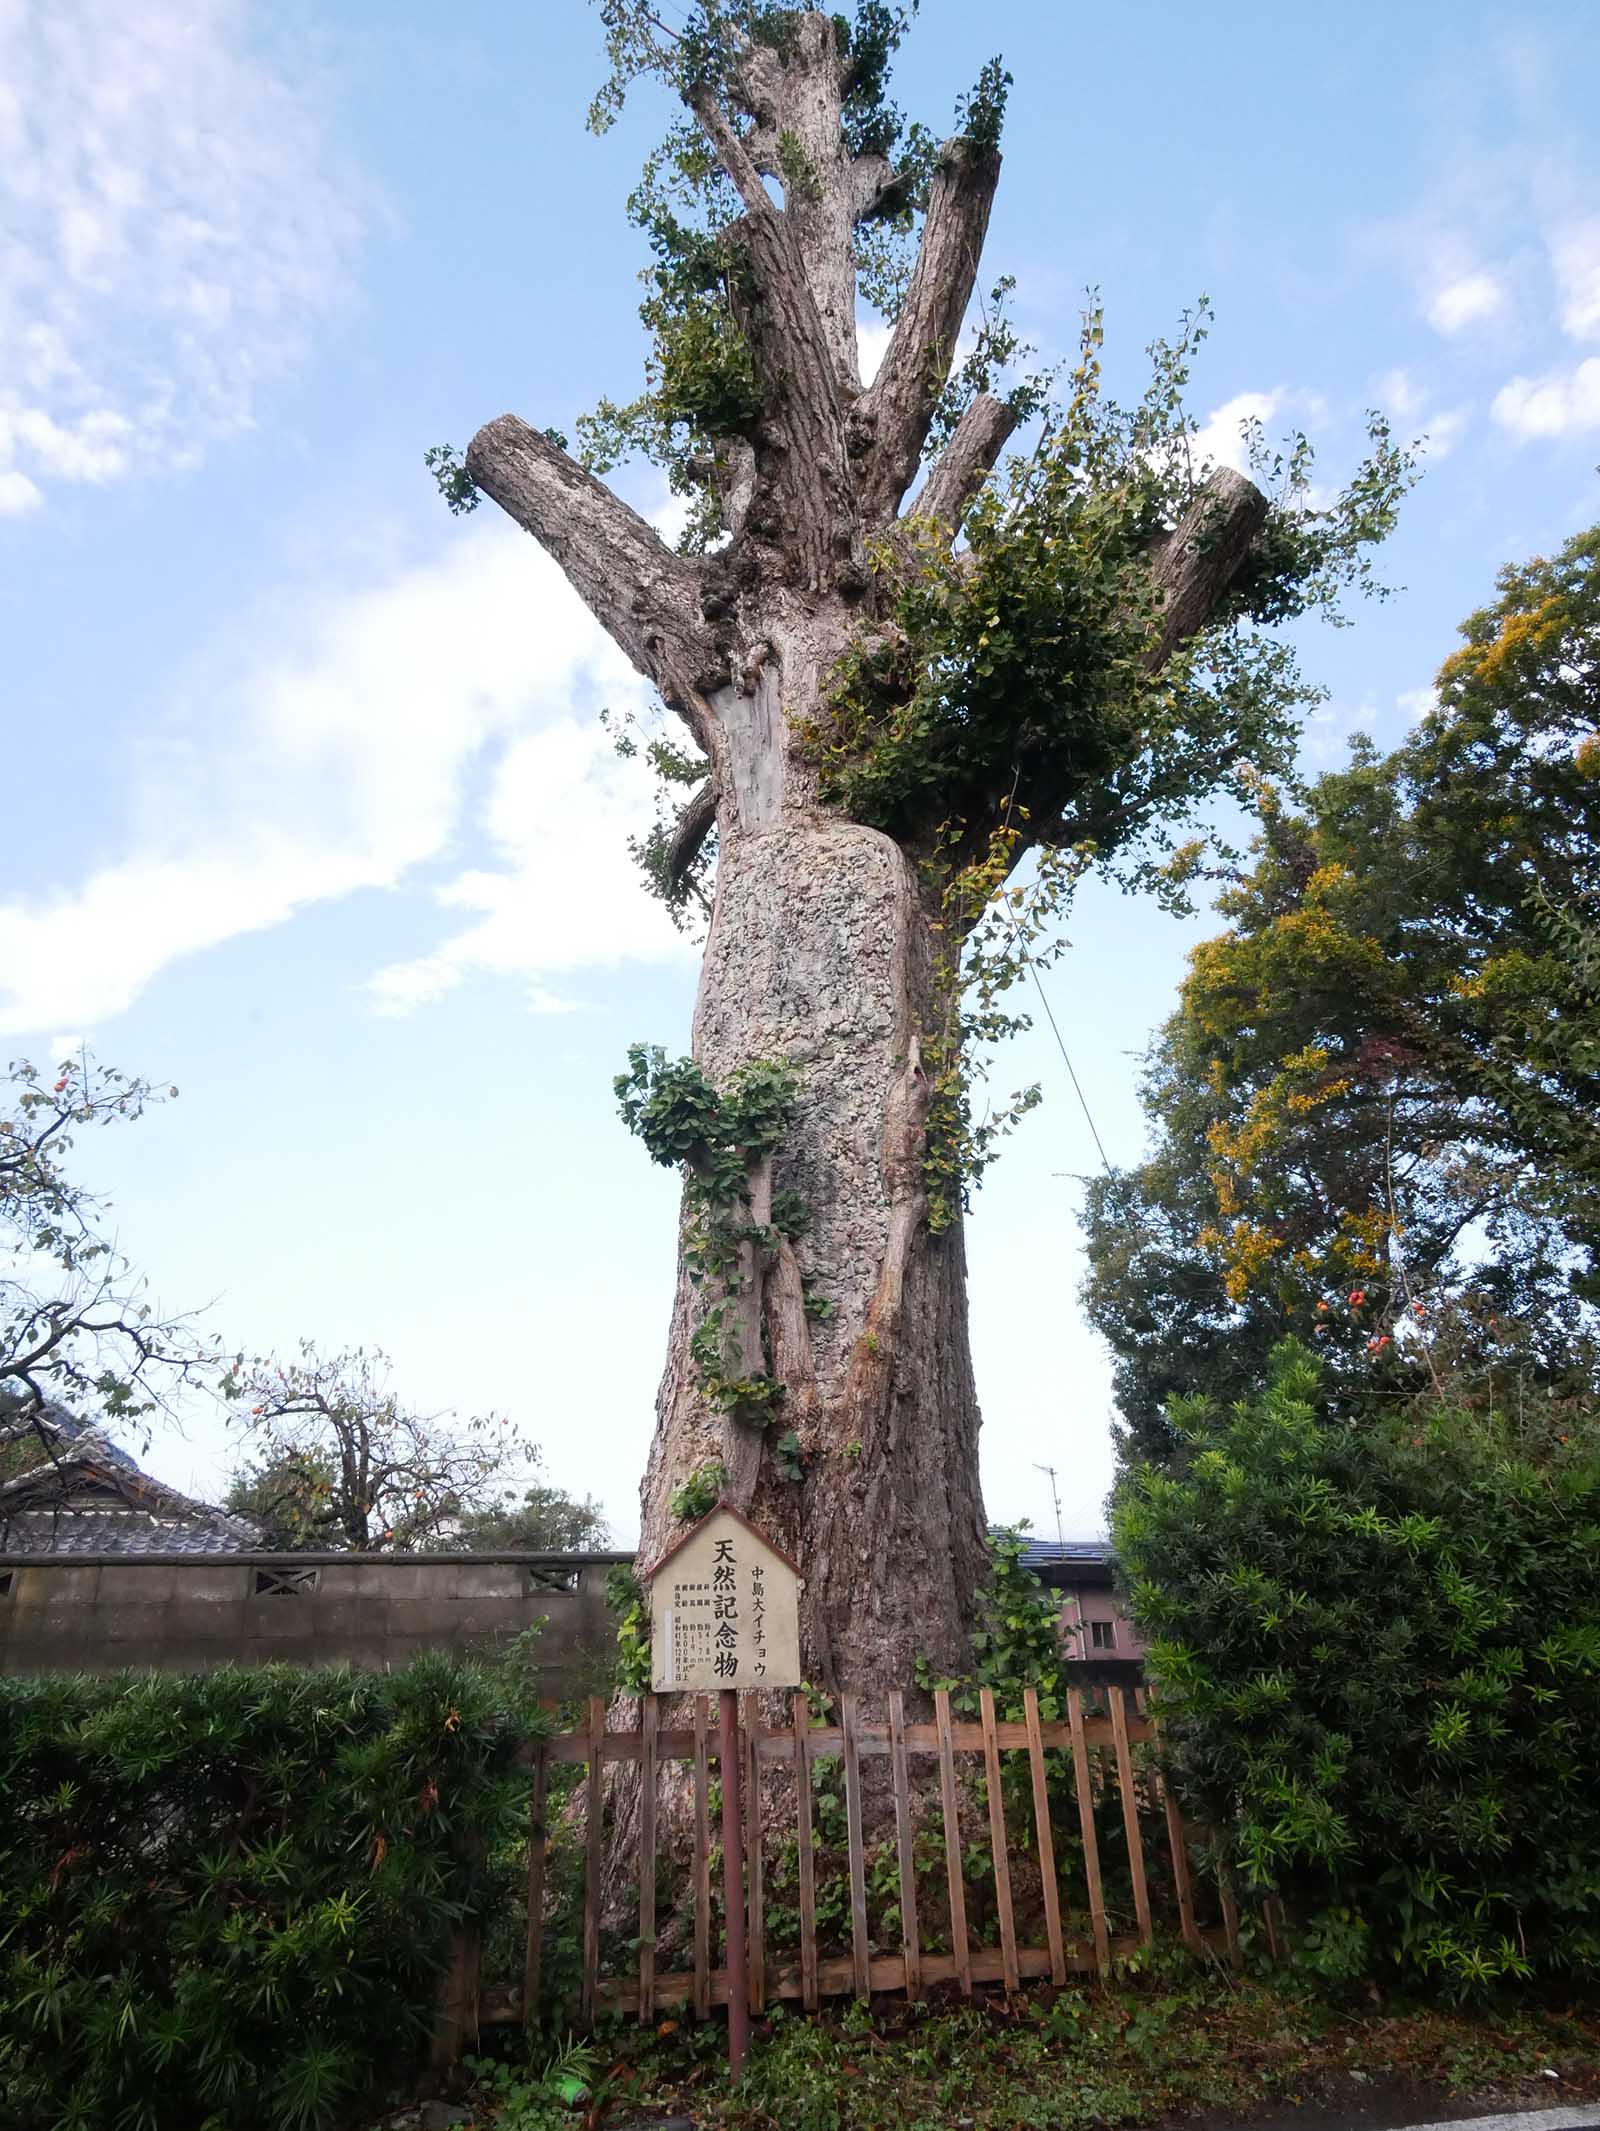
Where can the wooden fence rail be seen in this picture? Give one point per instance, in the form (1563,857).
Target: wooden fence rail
(1099,1748)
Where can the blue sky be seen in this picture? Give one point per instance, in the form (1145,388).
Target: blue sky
(309,810)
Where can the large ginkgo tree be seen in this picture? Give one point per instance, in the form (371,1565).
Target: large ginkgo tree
(922,686)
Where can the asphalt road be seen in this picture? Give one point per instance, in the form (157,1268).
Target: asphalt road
(1570,2118)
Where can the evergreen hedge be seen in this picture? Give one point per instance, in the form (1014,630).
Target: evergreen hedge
(227,1901)
(1376,1638)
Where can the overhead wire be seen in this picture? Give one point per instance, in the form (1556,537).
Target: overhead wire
(1117,1181)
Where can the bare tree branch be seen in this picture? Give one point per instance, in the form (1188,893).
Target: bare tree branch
(731,470)
(898,405)
(644,596)
(693,826)
(796,101)
(966,461)
(801,452)
(879,188)
(1193,568)
(733,152)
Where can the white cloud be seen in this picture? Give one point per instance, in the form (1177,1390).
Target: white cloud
(1443,431)
(1575,256)
(336,760)
(18,495)
(93,448)
(872,344)
(1400,395)
(565,896)
(171,226)
(1418,702)
(1561,403)
(1404,399)
(1220,440)
(1466,300)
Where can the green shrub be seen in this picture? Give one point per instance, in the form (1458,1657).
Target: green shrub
(1376,1635)
(1017,1642)
(227,1901)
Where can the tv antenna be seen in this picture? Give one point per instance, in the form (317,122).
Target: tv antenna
(1054,1496)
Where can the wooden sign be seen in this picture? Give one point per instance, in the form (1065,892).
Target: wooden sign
(724,1610)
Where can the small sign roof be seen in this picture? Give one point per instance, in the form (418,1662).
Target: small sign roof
(723,1509)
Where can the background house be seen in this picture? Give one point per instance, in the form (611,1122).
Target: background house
(1102,1642)
(70,1490)
(103,1568)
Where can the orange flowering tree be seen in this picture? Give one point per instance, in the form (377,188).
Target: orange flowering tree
(1375,1109)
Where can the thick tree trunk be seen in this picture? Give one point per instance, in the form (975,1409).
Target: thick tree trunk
(820,955)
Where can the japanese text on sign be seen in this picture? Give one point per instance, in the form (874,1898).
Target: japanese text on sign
(725,1611)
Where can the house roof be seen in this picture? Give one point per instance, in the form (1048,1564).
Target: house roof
(87,1496)
(1061,1553)
(1060,1563)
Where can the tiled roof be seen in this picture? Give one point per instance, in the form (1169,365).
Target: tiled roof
(1060,1553)
(123,1531)
(90,1497)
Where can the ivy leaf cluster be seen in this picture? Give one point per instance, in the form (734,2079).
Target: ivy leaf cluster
(698,1495)
(625,1595)
(718,1139)
(683,889)
(684,1122)
(1002,701)
(1017,1642)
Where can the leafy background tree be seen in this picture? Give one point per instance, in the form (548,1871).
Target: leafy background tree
(335,1460)
(1363,1555)
(1376,1110)
(78,1326)
(540,1520)
(295,1497)
(341,1462)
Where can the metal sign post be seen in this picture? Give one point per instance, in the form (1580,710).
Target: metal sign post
(725,1614)
(733,1894)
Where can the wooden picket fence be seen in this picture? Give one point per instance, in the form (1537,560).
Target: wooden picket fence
(1099,1744)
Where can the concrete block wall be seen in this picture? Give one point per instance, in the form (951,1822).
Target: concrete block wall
(188,1613)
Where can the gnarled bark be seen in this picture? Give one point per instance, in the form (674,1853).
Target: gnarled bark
(820,954)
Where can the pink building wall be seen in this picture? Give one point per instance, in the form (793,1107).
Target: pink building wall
(1084,1604)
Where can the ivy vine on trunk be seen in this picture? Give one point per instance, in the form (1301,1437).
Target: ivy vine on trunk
(917,723)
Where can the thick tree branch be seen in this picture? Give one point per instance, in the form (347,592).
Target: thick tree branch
(1194,567)
(733,152)
(898,405)
(879,188)
(801,456)
(966,461)
(692,828)
(795,99)
(644,596)
(730,469)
